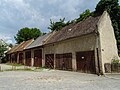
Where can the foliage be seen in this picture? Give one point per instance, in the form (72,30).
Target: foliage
(3,48)
(55,26)
(83,16)
(115,61)
(113,8)
(26,33)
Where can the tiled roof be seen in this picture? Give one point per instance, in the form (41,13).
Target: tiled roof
(20,47)
(39,41)
(87,26)
(24,45)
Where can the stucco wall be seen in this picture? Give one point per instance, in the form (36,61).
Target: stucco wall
(108,46)
(84,43)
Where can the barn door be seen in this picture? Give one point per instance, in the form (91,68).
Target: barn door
(64,61)
(85,61)
(38,58)
(49,61)
(28,58)
(20,58)
(14,58)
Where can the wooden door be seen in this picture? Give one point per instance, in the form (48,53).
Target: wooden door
(28,58)
(21,58)
(49,61)
(38,58)
(85,61)
(64,61)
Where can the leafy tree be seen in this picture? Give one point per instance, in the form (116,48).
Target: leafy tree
(25,34)
(3,48)
(113,8)
(55,26)
(83,16)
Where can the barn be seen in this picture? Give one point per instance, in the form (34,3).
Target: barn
(12,54)
(16,54)
(34,52)
(84,46)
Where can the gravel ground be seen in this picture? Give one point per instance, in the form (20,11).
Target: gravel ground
(56,80)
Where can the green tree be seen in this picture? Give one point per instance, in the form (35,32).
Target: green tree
(25,34)
(83,16)
(3,48)
(55,26)
(113,8)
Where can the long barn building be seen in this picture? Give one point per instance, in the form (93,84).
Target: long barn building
(85,46)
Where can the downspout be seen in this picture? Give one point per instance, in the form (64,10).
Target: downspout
(98,52)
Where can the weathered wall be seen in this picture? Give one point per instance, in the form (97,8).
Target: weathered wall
(83,43)
(108,46)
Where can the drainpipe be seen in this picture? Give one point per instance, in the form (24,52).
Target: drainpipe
(98,52)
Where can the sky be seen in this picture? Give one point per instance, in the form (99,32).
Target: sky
(17,14)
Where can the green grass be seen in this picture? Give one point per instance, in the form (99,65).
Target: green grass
(25,69)
(15,64)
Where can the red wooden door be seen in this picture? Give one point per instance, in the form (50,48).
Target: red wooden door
(21,58)
(85,61)
(28,58)
(64,61)
(38,58)
(49,61)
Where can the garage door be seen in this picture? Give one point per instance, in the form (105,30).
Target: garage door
(14,58)
(85,61)
(49,61)
(64,61)
(28,58)
(20,58)
(38,58)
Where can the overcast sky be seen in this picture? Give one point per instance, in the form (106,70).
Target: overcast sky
(16,14)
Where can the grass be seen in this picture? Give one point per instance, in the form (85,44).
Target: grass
(15,67)
(14,64)
(25,69)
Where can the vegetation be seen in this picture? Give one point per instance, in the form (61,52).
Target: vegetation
(25,34)
(3,48)
(55,26)
(115,61)
(14,64)
(113,8)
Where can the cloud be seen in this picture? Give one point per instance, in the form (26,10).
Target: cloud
(16,14)
(6,38)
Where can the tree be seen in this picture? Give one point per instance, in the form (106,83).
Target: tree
(25,34)
(113,8)
(83,16)
(55,26)
(3,48)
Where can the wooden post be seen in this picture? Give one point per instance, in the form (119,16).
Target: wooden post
(32,58)
(24,57)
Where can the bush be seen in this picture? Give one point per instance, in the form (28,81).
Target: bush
(114,61)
